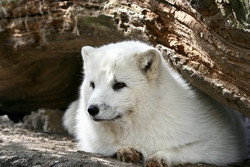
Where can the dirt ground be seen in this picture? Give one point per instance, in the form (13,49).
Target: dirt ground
(24,147)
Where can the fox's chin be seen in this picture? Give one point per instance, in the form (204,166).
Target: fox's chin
(108,120)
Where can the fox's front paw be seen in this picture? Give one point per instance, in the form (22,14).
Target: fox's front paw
(129,155)
(156,161)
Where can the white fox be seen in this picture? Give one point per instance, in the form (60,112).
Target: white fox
(132,102)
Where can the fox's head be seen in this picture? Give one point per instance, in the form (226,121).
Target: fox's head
(116,77)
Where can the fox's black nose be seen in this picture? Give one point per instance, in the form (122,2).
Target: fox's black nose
(93,110)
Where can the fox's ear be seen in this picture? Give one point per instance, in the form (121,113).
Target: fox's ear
(149,62)
(86,52)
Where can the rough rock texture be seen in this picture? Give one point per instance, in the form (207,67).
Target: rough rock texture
(49,121)
(40,42)
(23,147)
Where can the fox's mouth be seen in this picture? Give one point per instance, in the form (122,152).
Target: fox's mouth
(101,120)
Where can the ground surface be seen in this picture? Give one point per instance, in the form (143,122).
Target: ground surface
(24,147)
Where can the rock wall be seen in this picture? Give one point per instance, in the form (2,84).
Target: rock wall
(40,44)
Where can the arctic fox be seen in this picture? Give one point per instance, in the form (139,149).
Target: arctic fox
(132,102)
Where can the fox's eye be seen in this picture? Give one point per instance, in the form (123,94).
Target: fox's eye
(92,85)
(118,85)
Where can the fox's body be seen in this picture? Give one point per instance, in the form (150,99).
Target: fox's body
(131,98)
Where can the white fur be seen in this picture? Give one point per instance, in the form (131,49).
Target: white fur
(69,120)
(161,116)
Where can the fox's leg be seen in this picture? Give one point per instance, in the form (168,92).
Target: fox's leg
(197,152)
(69,119)
(129,155)
(169,159)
